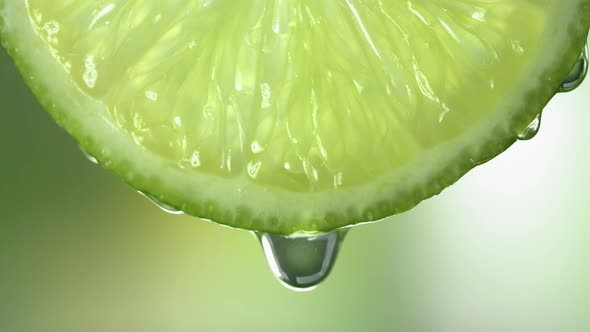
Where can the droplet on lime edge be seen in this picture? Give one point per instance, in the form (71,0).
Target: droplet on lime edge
(88,156)
(575,78)
(532,129)
(301,261)
(163,206)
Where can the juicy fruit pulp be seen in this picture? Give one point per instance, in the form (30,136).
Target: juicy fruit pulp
(287,115)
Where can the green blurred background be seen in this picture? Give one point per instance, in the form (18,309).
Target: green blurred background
(505,249)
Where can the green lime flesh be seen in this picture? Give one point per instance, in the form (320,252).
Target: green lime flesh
(286,116)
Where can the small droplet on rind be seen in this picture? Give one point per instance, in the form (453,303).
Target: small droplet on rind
(195,159)
(532,129)
(301,261)
(253,169)
(577,75)
(151,95)
(163,206)
(90,75)
(88,156)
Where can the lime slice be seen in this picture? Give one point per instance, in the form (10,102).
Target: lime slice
(285,116)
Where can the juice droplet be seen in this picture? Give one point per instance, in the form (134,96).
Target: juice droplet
(163,206)
(532,129)
(301,261)
(578,73)
(89,156)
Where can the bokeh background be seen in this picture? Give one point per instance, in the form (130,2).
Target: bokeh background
(505,249)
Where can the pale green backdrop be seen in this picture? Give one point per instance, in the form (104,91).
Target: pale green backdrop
(505,249)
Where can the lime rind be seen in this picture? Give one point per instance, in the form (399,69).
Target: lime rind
(243,204)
